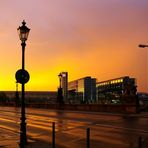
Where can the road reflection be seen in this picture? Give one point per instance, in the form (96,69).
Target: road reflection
(61,124)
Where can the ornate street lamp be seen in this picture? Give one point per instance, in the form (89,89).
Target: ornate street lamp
(22,76)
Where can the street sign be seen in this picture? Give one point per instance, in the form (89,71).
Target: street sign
(22,76)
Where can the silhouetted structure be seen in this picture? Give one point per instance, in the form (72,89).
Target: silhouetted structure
(82,90)
(3,97)
(60,91)
(32,97)
(22,76)
(64,85)
(113,90)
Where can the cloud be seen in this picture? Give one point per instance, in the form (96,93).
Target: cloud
(93,35)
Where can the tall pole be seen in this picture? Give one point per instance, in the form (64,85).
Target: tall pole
(23,137)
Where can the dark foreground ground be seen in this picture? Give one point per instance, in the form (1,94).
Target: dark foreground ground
(107,130)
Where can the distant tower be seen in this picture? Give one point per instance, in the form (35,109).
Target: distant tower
(64,85)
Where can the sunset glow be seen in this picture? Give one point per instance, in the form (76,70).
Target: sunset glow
(97,38)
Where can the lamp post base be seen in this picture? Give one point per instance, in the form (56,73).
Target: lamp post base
(23,137)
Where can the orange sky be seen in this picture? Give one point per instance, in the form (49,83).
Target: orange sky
(84,37)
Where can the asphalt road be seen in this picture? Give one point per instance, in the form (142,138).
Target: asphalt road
(106,130)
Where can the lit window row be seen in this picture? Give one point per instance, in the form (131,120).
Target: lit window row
(116,81)
(111,82)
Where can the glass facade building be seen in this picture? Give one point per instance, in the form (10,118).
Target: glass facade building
(82,90)
(115,89)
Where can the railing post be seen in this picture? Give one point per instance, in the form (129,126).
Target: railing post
(53,134)
(88,138)
(140,142)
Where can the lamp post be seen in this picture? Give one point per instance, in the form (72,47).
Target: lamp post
(22,76)
(60,92)
(60,79)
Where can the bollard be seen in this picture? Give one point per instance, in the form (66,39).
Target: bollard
(88,138)
(53,134)
(140,142)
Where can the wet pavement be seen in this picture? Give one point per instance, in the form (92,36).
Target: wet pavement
(8,139)
(106,130)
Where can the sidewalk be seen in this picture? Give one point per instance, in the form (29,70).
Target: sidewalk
(142,114)
(11,140)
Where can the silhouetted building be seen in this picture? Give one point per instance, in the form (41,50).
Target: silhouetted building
(34,96)
(143,100)
(82,90)
(114,89)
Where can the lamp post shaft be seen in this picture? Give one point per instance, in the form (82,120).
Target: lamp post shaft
(23,55)
(23,137)
(60,82)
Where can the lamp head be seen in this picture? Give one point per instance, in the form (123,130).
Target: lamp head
(60,75)
(23,31)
